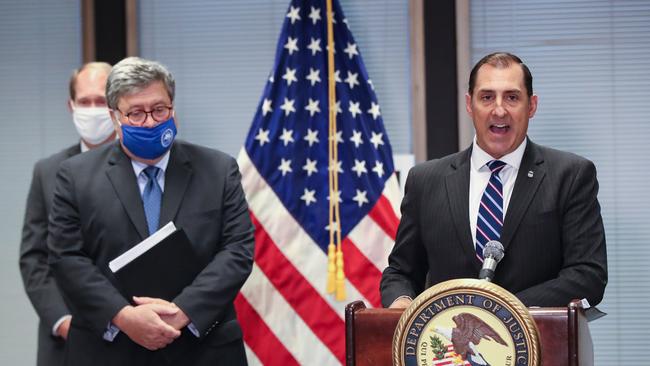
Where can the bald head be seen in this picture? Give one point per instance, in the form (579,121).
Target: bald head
(88,84)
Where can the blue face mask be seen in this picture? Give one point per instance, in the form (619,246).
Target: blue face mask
(149,143)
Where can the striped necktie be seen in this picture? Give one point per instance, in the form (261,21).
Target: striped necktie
(152,198)
(490,211)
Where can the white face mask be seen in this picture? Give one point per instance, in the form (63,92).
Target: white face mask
(93,124)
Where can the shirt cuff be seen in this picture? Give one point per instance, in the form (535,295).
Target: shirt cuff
(401,297)
(56,325)
(111,332)
(194,331)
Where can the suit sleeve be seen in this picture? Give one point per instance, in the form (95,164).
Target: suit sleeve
(584,270)
(407,266)
(214,289)
(39,283)
(90,293)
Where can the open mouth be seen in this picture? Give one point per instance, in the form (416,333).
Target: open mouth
(499,129)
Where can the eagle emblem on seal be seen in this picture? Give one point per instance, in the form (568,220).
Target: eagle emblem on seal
(470,330)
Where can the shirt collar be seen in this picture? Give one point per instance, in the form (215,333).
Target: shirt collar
(513,159)
(138,167)
(83,146)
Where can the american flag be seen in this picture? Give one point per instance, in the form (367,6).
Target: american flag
(451,358)
(287,315)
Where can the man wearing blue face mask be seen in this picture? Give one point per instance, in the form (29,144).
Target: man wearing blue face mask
(92,120)
(110,199)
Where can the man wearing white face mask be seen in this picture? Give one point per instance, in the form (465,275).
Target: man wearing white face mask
(92,120)
(88,105)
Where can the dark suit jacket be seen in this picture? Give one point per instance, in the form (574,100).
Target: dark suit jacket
(39,284)
(97,214)
(553,232)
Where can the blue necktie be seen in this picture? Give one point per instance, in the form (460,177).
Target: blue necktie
(490,212)
(152,198)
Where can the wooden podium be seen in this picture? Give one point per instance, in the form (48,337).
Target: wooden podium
(564,335)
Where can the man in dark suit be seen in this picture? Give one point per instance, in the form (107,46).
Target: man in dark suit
(87,105)
(540,203)
(110,199)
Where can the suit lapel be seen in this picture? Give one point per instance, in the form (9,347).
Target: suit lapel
(73,150)
(120,173)
(530,175)
(177,178)
(457,184)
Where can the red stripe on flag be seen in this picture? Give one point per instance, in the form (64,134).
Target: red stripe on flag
(267,347)
(299,293)
(384,216)
(361,273)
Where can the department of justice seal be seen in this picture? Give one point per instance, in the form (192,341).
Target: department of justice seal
(466,322)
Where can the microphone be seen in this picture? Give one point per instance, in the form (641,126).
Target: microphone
(492,255)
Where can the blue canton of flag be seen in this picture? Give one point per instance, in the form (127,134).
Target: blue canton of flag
(288,138)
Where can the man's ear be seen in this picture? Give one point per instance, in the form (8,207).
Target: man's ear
(70,105)
(532,106)
(468,104)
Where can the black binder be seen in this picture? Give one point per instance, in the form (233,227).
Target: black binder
(162,271)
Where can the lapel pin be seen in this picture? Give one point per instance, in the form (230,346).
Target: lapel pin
(530,174)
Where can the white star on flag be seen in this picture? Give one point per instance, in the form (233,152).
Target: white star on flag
(310,167)
(354,109)
(290,75)
(351,50)
(311,137)
(314,76)
(359,167)
(352,79)
(262,136)
(379,168)
(313,107)
(293,14)
(292,45)
(314,46)
(377,139)
(374,110)
(327,47)
(336,166)
(337,76)
(356,138)
(287,136)
(314,14)
(287,106)
(337,196)
(338,137)
(361,198)
(285,167)
(309,196)
(266,106)
(337,107)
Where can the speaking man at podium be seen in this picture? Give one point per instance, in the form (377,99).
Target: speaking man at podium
(540,203)
(110,199)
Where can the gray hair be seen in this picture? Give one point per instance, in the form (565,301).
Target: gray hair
(133,74)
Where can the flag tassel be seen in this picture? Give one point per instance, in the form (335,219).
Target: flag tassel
(340,276)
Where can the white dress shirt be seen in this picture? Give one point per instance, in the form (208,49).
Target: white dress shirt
(479,175)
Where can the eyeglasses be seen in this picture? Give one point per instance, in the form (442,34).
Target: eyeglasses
(158,114)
